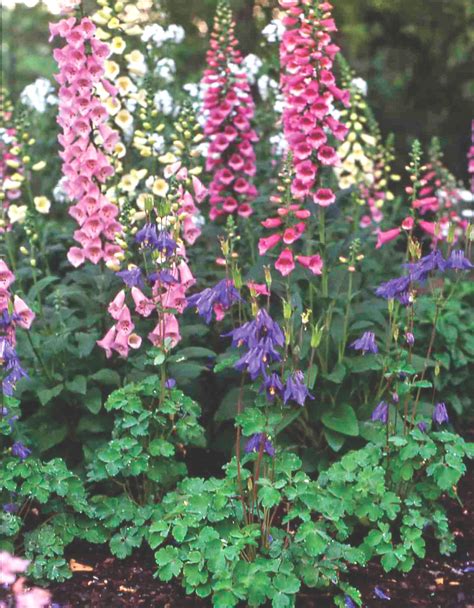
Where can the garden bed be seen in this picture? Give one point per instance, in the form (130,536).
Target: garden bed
(436,582)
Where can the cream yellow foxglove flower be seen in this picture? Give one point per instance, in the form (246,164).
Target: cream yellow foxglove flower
(124,85)
(118,45)
(17,213)
(112,106)
(42,204)
(123,119)
(112,69)
(120,150)
(102,17)
(160,187)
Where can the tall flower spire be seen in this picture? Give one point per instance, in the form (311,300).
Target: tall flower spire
(310,92)
(229,110)
(86,139)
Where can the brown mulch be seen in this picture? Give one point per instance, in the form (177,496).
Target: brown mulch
(435,582)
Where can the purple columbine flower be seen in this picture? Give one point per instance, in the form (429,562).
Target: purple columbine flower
(10,507)
(381,594)
(223,294)
(165,244)
(273,386)
(380,413)
(16,372)
(440,414)
(6,319)
(422,426)
(164,276)
(348,603)
(255,443)
(420,270)
(147,236)
(257,359)
(366,343)
(170,383)
(395,289)
(132,277)
(252,332)
(409,338)
(7,352)
(20,450)
(296,389)
(457,261)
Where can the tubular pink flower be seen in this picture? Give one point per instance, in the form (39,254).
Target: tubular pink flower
(115,307)
(285,263)
(25,315)
(264,244)
(167,329)
(386,236)
(312,262)
(85,138)
(107,341)
(143,305)
(229,109)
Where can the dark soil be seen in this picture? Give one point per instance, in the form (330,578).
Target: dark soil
(436,582)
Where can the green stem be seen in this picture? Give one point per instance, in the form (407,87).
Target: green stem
(342,347)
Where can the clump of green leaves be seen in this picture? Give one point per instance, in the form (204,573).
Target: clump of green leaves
(259,537)
(145,456)
(44,509)
(204,533)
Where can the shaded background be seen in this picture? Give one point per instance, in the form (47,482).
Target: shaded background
(417,56)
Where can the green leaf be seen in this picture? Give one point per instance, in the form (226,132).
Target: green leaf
(77,385)
(269,497)
(93,400)
(364,363)
(49,434)
(252,421)
(226,362)
(109,377)
(161,447)
(312,375)
(169,564)
(40,285)
(193,352)
(86,343)
(343,420)
(338,374)
(389,561)
(228,406)
(335,440)
(46,394)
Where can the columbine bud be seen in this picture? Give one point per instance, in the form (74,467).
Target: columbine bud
(316,336)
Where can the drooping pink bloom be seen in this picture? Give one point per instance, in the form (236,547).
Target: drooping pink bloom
(115,307)
(314,263)
(6,276)
(143,305)
(24,313)
(324,197)
(167,329)
(386,236)
(107,341)
(285,263)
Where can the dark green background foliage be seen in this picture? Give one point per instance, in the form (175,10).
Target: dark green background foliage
(415,55)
